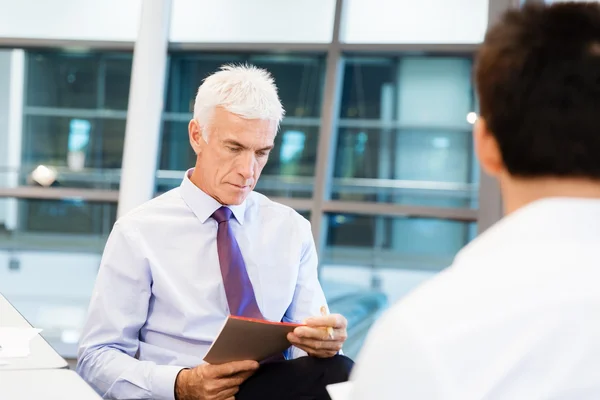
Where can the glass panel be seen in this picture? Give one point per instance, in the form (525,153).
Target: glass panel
(74,118)
(70,216)
(116,83)
(57,225)
(405,132)
(378,243)
(62,80)
(298,78)
(81,152)
(376,260)
(307,21)
(290,169)
(406,21)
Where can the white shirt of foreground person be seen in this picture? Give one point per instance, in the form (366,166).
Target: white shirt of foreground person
(164,299)
(517,316)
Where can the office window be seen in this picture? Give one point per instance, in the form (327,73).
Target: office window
(407,21)
(56,225)
(291,165)
(74,116)
(374,251)
(405,132)
(73,129)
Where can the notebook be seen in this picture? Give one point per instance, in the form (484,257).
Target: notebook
(249,339)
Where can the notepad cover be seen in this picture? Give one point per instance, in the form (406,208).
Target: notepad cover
(249,339)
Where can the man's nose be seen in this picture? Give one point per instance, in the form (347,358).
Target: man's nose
(246,165)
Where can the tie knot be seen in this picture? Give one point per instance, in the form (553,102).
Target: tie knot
(222,214)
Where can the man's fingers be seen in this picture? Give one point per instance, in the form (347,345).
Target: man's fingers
(317,353)
(232,368)
(315,344)
(320,333)
(235,380)
(228,394)
(229,386)
(336,321)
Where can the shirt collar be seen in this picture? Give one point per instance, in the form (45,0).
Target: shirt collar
(204,205)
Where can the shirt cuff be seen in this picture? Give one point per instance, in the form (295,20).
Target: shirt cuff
(163,382)
(294,352)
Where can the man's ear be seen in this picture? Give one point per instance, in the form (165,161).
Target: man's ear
(487,149)
(195,133)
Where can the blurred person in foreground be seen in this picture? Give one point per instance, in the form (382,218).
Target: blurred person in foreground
(176,267)
(517,315)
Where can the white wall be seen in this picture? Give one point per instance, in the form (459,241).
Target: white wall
(309,21)
(268,21)
(410,21)
(192,20)
(51,289)
(112,20)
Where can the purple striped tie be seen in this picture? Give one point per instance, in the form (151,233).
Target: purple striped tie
(238,288)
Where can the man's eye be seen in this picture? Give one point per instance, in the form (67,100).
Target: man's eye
(262,153)
(234,149)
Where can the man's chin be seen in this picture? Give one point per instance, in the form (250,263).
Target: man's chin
(235,199)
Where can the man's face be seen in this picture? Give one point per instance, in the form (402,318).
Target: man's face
(230,164)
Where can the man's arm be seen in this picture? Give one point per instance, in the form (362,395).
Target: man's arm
(308,296)
(117,311)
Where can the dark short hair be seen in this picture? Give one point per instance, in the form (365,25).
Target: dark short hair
(538,81)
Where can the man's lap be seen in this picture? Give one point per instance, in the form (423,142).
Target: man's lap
(302,378)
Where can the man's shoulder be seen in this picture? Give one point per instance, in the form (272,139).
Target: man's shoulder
(268,208)
(157,207)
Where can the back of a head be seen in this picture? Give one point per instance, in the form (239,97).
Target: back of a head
(538,78)
(244,90)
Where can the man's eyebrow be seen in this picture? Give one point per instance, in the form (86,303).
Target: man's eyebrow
(230,142)
(267,148)
(233,143)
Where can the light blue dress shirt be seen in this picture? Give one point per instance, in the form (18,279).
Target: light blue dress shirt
(159,300)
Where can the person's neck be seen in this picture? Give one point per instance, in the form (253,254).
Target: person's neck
(519,192)
(196,179)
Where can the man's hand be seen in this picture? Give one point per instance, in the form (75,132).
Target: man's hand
(314,339)
(213,382)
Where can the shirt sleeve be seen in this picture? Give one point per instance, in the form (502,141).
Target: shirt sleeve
(117,311)
(308,295)
(395,364)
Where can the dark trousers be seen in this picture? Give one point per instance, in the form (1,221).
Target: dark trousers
(303,378)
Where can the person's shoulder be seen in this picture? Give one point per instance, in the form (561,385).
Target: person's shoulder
(267,208)
(149,211)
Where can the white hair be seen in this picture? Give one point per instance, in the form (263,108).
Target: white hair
(244,90)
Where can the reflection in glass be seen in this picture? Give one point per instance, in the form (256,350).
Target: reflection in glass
(298,78)
(80,149)
(58,225)
(395,242)
(61,80)
(389,255)
(404,132)
(79,138)
(73,80)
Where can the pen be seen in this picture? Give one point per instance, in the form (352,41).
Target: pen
(329,328)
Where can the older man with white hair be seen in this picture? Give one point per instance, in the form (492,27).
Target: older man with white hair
(176,267)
